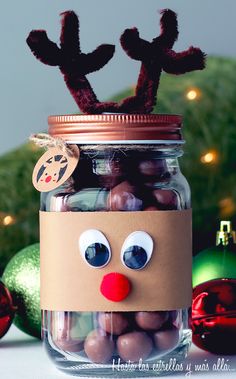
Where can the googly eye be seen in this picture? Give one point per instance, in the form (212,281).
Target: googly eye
(137,250)
(94,248)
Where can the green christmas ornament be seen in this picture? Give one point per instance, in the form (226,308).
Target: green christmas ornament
(22,278)
(18,202)
(218,261)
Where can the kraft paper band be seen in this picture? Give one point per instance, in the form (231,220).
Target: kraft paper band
(68,283)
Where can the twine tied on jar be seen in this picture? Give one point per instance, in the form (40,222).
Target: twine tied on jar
(46,141)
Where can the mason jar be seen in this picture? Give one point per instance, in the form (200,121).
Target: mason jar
(116,248)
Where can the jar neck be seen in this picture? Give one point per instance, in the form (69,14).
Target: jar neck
(155,151)
(137,163)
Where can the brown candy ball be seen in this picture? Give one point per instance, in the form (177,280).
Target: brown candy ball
(166,339)
(153,167)
(123,198)
(151,320)
(134,346)
(166,199)
(113,322)
(71,345)
(99,347)
(153,171)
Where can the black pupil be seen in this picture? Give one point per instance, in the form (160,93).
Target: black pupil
(97,254)
(135,257)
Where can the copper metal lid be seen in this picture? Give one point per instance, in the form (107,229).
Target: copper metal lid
(117,128)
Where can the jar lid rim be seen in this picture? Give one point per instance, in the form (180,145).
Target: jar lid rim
(104,128)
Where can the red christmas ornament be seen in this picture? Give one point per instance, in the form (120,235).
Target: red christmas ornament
(214,295)
(214,316)
(7,310)
(115,286)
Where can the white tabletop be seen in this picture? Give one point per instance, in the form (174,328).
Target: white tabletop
(23,357)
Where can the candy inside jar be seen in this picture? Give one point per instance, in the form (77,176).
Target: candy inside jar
(101,337)
(149,182)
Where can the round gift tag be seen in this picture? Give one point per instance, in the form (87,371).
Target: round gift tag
(54,168)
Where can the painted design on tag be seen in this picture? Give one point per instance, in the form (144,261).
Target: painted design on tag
(54,168)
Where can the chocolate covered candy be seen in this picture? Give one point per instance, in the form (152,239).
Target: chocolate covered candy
(153,171)
(70,345)
(134,346)
(113,322)
(151,320)
(62,325)
(99,347)
(123,198)
(166,339)
(166,199)
(69,329)
(153,167)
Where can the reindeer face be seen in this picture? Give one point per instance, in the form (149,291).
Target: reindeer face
(135,254)
(53,169)
(115,261)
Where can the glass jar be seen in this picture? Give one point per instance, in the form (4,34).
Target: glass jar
(128,316)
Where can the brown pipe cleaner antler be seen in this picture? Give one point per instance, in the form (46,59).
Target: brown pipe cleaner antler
(155,57)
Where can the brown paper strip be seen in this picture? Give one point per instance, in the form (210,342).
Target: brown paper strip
(69,284)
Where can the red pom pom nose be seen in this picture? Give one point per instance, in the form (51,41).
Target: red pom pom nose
(48,179)
(115,286)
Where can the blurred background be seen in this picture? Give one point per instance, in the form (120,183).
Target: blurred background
(30,91)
